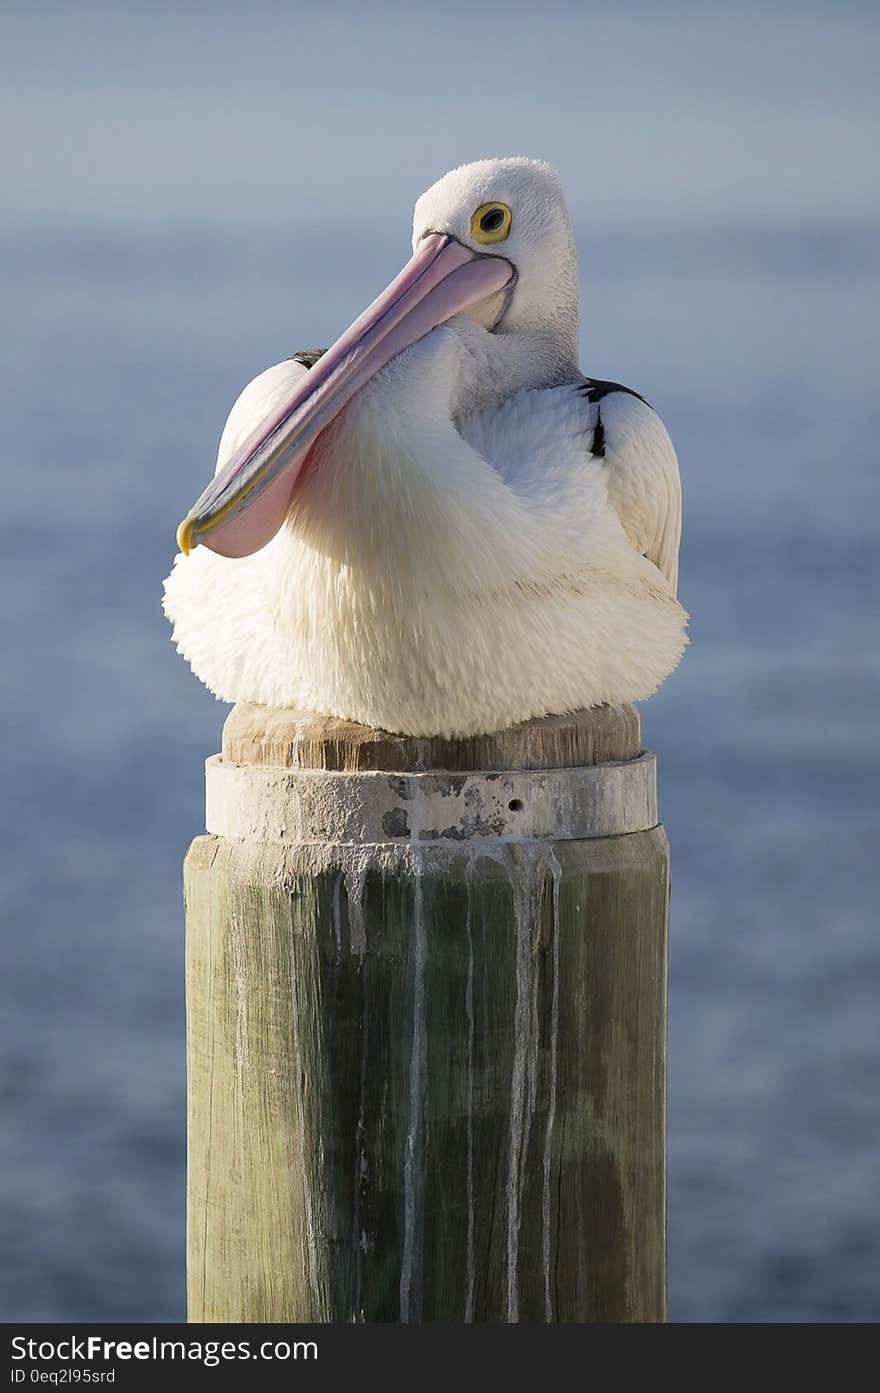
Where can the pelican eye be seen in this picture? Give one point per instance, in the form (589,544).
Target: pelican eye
(491,222)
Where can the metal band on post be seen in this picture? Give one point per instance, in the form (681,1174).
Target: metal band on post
(260,804)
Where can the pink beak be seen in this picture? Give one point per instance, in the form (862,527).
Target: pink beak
(246,503)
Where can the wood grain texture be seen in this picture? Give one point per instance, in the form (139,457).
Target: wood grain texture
(427,1083)
(292,739)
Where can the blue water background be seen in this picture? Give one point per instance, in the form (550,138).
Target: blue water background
(192,196)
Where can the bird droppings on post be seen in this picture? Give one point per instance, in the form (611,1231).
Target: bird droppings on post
(412,1176)
(556,870)
(310,1255)
(355,881)
(469,1008)
(526,885)
(474,1078)
(337,916)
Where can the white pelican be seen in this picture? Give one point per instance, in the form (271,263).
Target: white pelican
(442,526)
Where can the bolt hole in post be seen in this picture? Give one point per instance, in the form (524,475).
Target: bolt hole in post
(515,805)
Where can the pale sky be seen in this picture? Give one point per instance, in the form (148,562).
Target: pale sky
(305,114)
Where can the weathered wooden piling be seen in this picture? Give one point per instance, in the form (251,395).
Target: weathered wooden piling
(426,1023)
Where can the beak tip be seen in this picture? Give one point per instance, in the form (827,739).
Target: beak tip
(185,535)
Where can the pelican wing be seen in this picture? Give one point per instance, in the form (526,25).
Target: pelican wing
(261,397)
(643,480)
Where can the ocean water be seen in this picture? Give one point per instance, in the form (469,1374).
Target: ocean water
(121,354)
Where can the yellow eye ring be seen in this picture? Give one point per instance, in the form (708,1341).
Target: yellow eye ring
(491,223)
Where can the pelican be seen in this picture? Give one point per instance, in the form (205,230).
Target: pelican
(440,525)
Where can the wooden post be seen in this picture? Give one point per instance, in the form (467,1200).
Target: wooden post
(426,1024)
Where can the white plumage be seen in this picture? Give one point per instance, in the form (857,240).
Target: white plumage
(482,535)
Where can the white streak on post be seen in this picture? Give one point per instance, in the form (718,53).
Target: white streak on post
(522,889)
(556,873)
(528,864)
(355,890)
(355,884)
(310,1244)
(337,916)
(469,1007)
(242,1043)
(412,1180)
(359,1241)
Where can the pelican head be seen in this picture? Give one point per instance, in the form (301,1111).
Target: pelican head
(515,208)
(492,243)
